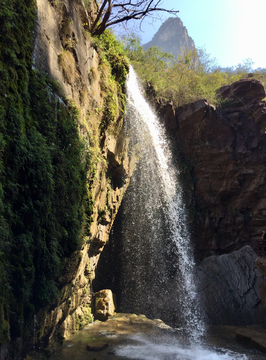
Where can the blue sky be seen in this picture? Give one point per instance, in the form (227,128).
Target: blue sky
(230,30)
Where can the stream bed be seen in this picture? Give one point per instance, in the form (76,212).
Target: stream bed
(130,336)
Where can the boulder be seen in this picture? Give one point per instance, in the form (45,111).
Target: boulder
(228,288)
(103,305)
(243,89)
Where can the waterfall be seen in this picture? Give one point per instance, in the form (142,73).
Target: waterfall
(150,260)
(157,261)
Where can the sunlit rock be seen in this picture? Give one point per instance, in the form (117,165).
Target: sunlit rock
(104,304)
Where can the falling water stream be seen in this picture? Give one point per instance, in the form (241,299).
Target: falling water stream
(157,261)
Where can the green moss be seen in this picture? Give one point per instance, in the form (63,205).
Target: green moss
(112,56)
(88,317)
(113,52)
(80,322)
(42,176)
(5,328)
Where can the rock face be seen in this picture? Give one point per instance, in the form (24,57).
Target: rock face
(103,305)
(229,288)
(66,52)
(172,37)
(223,158)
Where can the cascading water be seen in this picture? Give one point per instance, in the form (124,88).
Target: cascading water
(157,262)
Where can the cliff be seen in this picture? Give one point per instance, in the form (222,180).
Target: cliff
(64,165)
(172,37)
(225,148)
(222,157)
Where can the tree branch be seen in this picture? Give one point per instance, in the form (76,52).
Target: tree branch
(123,11)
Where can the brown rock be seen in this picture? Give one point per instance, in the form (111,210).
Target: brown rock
(223,162)
(96,348)
(243,89)
(262,293)
(223,154)
(260,263)
(104,305)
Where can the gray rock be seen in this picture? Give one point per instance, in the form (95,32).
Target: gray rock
(228,287)
(172,37)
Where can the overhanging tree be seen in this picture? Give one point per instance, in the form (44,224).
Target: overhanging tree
(113,12)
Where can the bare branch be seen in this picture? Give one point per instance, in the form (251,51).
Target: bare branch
(100,13)
(114,12)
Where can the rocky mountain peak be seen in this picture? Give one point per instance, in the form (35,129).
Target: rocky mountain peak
(172,37)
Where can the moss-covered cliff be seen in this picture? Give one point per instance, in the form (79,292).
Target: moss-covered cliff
(63,165)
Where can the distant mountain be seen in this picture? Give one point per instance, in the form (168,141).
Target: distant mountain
(172,37)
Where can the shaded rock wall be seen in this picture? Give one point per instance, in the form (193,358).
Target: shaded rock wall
(261,266)
(228,287)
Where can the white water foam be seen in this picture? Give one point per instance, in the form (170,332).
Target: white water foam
(145,349)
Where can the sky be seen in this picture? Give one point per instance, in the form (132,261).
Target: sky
(230,30)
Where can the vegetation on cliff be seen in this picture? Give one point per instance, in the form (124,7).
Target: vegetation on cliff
(46,203)
(114,62)
(187,78)
(43,176)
